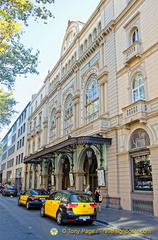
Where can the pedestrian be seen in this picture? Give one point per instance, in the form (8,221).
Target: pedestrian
(20,188)
(69,189)
(87,190)
(44,187)
(98,198)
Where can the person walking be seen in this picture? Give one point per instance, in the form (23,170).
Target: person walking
(98,198)
(87,190)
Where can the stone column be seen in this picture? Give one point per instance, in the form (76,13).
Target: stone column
(79,179)
(58,178)
(45,180)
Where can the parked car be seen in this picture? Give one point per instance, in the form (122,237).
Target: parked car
(69,206)
(32,198)
(9,191)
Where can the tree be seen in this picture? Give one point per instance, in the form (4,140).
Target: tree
(7,103)
(14,58)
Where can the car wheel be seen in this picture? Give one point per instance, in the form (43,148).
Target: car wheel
(59,218)
(42,213)
(19,203)
(27,205)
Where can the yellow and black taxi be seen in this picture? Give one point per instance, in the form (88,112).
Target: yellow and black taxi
(32,198)
(69,206)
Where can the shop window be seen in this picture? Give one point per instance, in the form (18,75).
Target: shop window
(138,88)
(142,169)
(142,173)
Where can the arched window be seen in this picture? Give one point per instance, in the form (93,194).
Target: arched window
(135,35)
(81,50)
(33,146)
(138,87)
(53,125)
(29,148)
(92,99)
(139,139)
(90,39)
(35,104)
(66,68)
(95,33)
(68,114)
(85,45)
(39,142)
(142,169)
(99,27)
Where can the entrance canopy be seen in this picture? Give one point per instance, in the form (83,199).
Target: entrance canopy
(67,146)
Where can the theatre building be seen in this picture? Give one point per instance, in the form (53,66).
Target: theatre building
(95,119)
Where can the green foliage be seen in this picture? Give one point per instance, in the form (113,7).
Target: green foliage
(16,60)
(7,103)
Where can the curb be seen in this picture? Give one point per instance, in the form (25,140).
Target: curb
(149,236)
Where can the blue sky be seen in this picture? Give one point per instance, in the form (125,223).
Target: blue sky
(48,39)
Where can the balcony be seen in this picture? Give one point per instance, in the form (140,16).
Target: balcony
(135,112)
(133,52)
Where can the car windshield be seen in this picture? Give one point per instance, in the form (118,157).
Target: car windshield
(81,198)
(11,187)
(40,192)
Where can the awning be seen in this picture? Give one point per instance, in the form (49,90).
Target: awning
(67,146)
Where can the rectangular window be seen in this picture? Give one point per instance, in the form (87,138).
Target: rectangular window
(142,173)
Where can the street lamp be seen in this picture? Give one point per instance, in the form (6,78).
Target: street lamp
(46,164)
(89,155)
(62,159)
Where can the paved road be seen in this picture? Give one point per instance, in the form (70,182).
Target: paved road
(17,223)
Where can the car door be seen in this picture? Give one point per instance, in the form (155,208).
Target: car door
(48,206)
(52,204)
(22,198)
(25,197)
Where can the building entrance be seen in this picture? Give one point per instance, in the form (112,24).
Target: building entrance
(66,171)
(90,169)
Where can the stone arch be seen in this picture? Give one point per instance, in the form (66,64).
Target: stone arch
(82,155)
(128,137)
(59,163)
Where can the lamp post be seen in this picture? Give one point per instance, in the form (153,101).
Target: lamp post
(89,155)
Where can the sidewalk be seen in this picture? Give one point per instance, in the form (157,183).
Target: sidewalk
(122,219)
